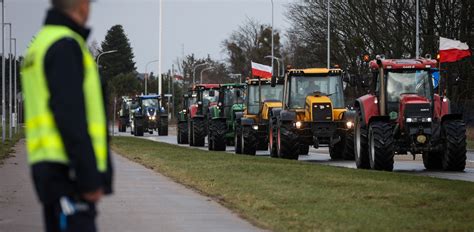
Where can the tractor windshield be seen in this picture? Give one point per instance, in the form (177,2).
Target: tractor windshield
(414,82)
(150,102)
(207,99)
(231,97)
(303,86)
(269,93)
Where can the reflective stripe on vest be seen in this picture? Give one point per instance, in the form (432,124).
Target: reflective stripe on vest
(44,142)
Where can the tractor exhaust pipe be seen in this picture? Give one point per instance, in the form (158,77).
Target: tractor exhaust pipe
(382,100)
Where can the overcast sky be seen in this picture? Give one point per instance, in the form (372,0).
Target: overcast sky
(199,25)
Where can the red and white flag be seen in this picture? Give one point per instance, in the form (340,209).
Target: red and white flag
(452,50)
(261,70)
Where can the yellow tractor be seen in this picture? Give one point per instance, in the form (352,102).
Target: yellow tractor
(313,114)
(251,130)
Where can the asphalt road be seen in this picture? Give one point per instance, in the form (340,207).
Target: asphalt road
(403,164)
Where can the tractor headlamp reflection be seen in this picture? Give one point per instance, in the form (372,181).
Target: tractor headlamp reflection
(413,120)
(255,127)
(349,124)
(298,125)
(151,117)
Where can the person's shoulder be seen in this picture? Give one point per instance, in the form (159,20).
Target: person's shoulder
(64,47)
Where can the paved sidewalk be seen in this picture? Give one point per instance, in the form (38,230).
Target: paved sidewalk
(144,201)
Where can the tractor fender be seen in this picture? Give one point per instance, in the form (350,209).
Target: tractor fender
(451,117)
(368,107)
(246,121)
(441,107)
(349,115)
(287,116)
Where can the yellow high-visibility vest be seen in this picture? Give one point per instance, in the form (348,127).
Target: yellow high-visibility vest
(44,142)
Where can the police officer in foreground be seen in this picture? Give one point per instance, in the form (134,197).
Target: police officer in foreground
(66,126)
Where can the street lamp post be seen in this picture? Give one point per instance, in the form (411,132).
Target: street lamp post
(279,61)
(273,48)
(3,71)
(329,34)
(206,69)
(417,29)
(194,70)
(101,54)
(15,77)
(160,47)
(146,74)
(9,81)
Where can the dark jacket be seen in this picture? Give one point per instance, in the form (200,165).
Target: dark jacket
(65,76)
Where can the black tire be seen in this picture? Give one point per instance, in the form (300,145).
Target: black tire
(124,128)
(182,133)
(238,139)
(151,132)
(304,149)
(218,135)
(361,148)
(336,152)
(349,146)
(433,160)
(139,131)
(190,132)
(381,148)
(163,129)
(454,133)
(210,136)
(199,132)
(272,146)
(287,143)
(249,141)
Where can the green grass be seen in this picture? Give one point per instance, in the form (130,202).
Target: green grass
(284,195)
(6,148)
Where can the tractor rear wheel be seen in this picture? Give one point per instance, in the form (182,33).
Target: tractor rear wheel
(138,131)
(433,160)
(238,139)
(381,148)
(182,134)
(454,132)
(361,149)
(287,143)
(190,132)
(249,141)
(199,132)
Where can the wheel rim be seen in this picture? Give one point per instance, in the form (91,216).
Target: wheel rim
(357,142)
(278,143)
(371,148)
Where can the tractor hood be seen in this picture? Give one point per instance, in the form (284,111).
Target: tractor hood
(151,111)
(414,108)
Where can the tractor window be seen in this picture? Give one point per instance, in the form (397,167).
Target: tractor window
(230,97)
(415,82)
(303,86)
(150,102)
(269,93)
(206,99)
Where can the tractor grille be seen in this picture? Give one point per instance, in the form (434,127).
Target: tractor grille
(322,112)
(418,110)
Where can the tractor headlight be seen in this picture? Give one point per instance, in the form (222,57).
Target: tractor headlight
(410,120)
(426,119)
(255,127)
(298,125)
(349,124)
(199,102)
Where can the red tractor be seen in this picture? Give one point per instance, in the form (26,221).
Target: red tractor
(205,95)
(402,114)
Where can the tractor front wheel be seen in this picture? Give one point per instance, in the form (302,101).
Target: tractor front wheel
(238,139)
(272,146)
(287,143)
(454,133)
(163,129)
(381,148)
(198,132)
(182,134)
(249,141)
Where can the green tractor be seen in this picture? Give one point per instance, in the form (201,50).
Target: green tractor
(124,114)
(222,116)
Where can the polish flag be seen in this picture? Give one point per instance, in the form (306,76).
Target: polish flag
(261,70)
(452,50)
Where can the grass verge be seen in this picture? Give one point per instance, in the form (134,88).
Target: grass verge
(284,195)
(6,148)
